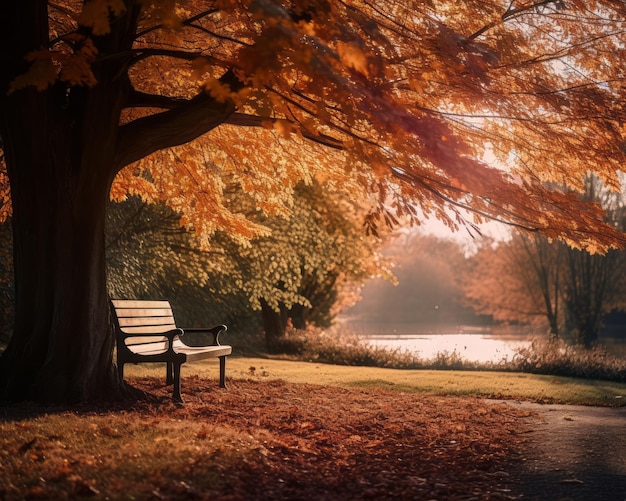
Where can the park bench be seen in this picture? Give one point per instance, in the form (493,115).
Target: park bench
(145,331)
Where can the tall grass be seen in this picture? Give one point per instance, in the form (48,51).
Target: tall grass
(556,357)
(541,356)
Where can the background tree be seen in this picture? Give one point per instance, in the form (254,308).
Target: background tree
(595,284)
(295,272)
(298,272)
(410,93)
(517,281)
(149,255)
(529,277)
(427,291)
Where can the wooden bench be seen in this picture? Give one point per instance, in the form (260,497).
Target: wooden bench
(146,332)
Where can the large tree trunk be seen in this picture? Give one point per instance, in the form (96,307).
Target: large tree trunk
(59,145)
(61,349)
(63,145)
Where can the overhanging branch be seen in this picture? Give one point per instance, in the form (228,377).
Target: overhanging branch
(143,100)
(245,120)
(512,13)
(174,127)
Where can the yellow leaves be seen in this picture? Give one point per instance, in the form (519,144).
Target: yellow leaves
(132,181)
(218,90)
(77,68)
(352,57)
(96,14)
(41,74)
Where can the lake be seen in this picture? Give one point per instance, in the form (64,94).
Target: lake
(477,344)
(470,347)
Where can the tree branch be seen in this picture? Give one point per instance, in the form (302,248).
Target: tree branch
(245,120)
(174,127)
(139,99)
(513,13)
(185,22)
(144,53)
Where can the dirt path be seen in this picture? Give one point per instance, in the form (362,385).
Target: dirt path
(574,453)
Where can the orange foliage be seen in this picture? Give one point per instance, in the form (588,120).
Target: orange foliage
(477,105)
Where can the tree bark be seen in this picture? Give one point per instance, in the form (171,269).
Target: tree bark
(61,348)
(59,145)
(274,326)
(63,146)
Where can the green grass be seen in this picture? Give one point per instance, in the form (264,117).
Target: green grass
(490,384)
(339,346)
(354,365)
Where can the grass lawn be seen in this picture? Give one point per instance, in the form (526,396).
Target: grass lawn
(285,430)
(504,385)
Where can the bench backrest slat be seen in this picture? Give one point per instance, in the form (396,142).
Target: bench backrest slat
(143,317)
(129,341)
(133,303)
(143,312)
(148,347)
(139,321)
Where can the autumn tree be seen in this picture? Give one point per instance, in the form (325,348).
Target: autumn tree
(517,281)
(427,100)
(529,278)
(595,284)
(147,248)
(296,271)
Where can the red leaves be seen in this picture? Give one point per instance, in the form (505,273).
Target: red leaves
(269,441)
(378,443)
(410,87)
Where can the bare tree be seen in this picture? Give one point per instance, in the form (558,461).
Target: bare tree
(530,277)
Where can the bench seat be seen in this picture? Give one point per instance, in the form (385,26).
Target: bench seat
(145,331)
(193,352)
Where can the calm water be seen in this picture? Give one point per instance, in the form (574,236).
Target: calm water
(471,347)
(472,344)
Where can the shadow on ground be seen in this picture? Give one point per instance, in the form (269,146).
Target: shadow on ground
(574,453)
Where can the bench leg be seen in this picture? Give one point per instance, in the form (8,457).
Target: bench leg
(223,372)
(176,395)
(120,370)
(169,374)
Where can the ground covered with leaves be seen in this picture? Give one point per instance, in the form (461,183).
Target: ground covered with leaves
(263,440)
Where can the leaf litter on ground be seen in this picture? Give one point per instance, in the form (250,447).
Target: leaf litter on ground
(263,440)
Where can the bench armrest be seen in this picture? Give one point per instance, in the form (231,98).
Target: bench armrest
(216,331)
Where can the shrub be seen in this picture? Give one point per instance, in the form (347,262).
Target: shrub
(555,357)
(343,347)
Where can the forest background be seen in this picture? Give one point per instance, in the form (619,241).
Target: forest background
(418,280)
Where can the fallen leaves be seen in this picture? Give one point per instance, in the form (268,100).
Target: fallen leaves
(264,440)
